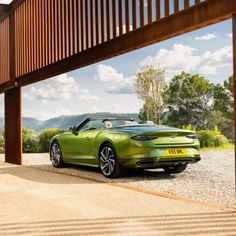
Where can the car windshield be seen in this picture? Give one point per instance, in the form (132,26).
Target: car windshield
(109,123)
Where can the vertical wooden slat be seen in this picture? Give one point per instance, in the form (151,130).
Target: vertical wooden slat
(82,23)
(121,31)
(67,26)
(158,9)
(197,1)
(78,27)
(167,8)
(24,36)
(59,29)
(141,13)
(29,34)
(2,51)
(49,33)
(97,22)
(56,31)
(186,3)
(87,24)
(134,14)
(149,11)
(127,15)
(16,43)
(71,31)
(38,35)
(92,21)
(46,32)
(108,6)
(63,32)
(75,26)
(43,32)
(114,24)
(102,20)
(34,38)
(176,6)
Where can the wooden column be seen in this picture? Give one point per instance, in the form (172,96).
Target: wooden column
(234,71)
(13,101)
(13,126)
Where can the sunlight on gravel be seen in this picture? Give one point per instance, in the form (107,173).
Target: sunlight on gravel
(211,180)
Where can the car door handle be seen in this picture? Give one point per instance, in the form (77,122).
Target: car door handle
(88,138)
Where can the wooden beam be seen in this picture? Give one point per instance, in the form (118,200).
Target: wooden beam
(234,71)
(13,126)
(206,13)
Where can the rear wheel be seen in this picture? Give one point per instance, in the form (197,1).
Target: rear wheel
(56,155)
(175,169)
(109,163)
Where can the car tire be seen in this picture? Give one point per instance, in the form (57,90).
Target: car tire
(56,155)
(109,162)
(175,169)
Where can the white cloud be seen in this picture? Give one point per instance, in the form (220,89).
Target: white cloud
(230,35)
(206,37)
(175,60)
(62,87)
(118,83)
(185,58)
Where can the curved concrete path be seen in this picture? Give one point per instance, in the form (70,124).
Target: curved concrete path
(38,202)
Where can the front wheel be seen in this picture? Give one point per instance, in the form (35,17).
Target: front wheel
(56,155)
(175,169)
(109,163)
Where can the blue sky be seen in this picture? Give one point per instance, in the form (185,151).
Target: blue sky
(107,86)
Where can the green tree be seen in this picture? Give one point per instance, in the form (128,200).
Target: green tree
(45,137)
(29,141)
(189,99)
(223,98)
(150,85)
(224,108)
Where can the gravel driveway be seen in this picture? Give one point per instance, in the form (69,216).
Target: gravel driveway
(211,180)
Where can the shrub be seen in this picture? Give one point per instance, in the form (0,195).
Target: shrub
(210,138)
(221,140)
(206,138)
(29,141)
(45,137)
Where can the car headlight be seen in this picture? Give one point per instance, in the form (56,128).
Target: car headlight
(192,136)
(144,137)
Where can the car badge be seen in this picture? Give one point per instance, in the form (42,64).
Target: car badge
(173,136)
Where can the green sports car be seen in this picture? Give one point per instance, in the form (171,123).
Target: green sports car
(117,144)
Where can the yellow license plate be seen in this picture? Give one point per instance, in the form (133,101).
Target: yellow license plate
(176,152)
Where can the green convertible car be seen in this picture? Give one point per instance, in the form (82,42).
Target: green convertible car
(117,144)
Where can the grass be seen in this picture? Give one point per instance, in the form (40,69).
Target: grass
(227,147)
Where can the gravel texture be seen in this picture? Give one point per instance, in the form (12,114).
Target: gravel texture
(210,180)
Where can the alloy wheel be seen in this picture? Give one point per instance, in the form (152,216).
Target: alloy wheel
(55,154)
(107,161)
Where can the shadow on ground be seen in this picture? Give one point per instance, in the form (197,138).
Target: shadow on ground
(181,224)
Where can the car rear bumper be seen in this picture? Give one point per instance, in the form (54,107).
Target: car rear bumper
(158,159)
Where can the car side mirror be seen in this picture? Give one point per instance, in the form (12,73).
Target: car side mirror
(74,130)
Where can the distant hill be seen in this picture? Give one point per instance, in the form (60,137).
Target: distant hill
(64,122)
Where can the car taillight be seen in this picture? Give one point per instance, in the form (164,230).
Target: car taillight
(192,136)
(144,137)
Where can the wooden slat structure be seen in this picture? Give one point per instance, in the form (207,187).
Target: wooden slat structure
(44,38)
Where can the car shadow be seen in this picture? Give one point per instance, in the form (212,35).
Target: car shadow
(92,173)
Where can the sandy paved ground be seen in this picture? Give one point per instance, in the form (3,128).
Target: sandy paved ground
(210,180)
(38,202)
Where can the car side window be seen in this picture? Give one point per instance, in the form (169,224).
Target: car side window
(93,124)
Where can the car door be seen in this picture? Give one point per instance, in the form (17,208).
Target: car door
(77,147)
